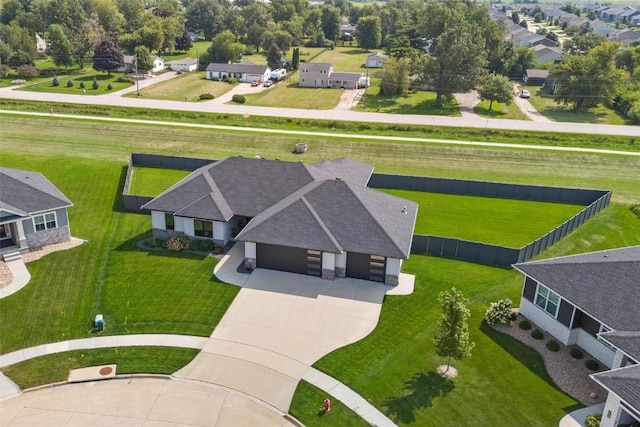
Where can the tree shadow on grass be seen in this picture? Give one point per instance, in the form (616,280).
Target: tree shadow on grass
(422,389)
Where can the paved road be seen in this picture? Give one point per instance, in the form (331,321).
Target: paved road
(476,122)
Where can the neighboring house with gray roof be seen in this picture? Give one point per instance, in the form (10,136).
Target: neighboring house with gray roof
(33,212)
(345,80)
(592,300)
(314,74)
(316,219)
(245,71)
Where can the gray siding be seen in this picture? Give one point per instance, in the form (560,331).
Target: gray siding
(565,313)
(62,217)
(27,224)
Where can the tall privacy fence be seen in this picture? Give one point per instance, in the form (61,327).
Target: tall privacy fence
(483,253)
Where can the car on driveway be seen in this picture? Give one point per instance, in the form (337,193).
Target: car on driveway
(525,94)
(255,83)
(267,83)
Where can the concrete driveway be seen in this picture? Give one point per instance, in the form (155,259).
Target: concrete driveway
(239,89)
(278,326)
(141,402)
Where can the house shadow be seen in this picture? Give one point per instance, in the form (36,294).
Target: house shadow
(422,389)
(117,205)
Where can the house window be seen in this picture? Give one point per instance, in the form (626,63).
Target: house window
(169,222)
(203,228)
(547,300)
(45,222)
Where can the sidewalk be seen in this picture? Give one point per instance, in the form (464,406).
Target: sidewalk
(21,277)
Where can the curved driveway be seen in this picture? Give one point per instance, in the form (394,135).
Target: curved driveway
(346,115)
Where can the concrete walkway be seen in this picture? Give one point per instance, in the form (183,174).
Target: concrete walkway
(467,102)
(21,277)
(578,418)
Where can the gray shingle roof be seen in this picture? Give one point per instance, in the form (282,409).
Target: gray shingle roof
(603,284)
(345,76)
(243,67)
(357,218)
(624,382)
(627,341)
(347,169)
(26,192)
(315,66)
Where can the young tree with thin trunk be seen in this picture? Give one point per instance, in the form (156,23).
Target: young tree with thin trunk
(452,339)
(496,88)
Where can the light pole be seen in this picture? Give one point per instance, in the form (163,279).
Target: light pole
(135,62)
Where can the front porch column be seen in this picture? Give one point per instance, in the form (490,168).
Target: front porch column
(612,411)
(21,240)
(250,255)
(328,265)
(617,360)
(392,271)
(341,265)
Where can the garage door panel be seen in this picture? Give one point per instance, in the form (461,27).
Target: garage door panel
(281,258)
(366,267)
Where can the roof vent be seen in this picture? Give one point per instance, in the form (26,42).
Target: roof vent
(338,179)
(404,210)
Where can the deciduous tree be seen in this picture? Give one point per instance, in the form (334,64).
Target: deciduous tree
(142,58)
(61,50)
(223,48)
(496,88)
(368,32)
(107,57)
(395,77)
(330,20)
(452,339)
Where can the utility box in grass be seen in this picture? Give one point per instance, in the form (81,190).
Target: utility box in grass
(98,323)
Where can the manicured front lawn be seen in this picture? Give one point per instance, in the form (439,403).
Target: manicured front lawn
(307,406)
(137,291)
(188,86)
(506,222)
(148,181)
(86,76)
(130,360)
(499,111)
(501,383)
(287,94)
(413,102)
(545,103)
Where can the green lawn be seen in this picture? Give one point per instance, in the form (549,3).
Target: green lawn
(197,50)
(499,111)
(149,181)
(188,86)
(136,290)
(307,407)
(412,102)
(86,76)
(287,94)
(345,59)
(545,103)
(506,222)
(130,360)
(502,381)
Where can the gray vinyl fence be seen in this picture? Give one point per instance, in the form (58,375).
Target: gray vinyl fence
(484,253)
(132,202)
(446,247)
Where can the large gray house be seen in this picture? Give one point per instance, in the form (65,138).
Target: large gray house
(317,219)
(593,300)
(33,212)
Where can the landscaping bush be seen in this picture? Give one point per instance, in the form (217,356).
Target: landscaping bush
(525,325)
(95,84)
(4,70)
(81,86)
(125,79)
(553,345)
(576,353)
(55,81)
(592,365)
(27,70)
(537,334)
(230,80)
(204,96)
(157,243)
(499,312)
(178,243)
(238,99)
(109,86)
(69,83)
(593,420)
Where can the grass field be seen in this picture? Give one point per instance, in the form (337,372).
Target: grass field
(506,222)
(307,404)
(141,291)
(148,181)
(345,59)
(499,111)
(413,102)
(130,360)
(546,105)
(188,86)
(46,85)
(287,94)
(504,136)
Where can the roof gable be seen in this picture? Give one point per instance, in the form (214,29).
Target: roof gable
(624,382)
(627,341)
(601,283)
(27,192)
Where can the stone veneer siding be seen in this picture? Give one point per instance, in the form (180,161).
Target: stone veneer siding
(48,237)
(160,233)
(391,279)
(328,274)
(341,272)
